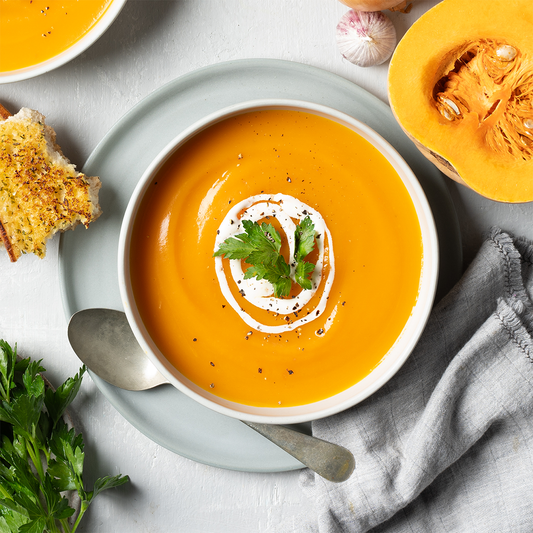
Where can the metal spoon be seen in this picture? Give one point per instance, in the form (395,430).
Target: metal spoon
(104,342)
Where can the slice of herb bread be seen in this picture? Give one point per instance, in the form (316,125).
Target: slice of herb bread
(41,193)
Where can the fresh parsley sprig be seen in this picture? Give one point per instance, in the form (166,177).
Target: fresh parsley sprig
(305,242)
(40,457)
(260,247)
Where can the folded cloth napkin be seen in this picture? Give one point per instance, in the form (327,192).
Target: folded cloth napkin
(447,444)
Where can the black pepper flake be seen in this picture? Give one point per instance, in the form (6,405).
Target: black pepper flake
(212,364)
(223,306)
(291,372)
(343,303)
(320,332)
(242,293)
(289,180)
(195,339)
(260,370)
(212,385)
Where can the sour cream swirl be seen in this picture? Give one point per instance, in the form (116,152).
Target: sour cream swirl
(285,209)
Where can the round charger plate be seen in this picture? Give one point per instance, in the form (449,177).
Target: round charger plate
(88,259)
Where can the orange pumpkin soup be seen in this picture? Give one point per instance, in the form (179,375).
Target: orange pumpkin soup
(33,31)
(196,310)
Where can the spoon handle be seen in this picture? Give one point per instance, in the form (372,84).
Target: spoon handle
(331,461)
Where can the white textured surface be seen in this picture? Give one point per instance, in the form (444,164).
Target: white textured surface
(151,43)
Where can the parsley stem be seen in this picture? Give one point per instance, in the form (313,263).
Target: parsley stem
(52,527)
(34,453)
(5,494)
(83,508)
(64,524)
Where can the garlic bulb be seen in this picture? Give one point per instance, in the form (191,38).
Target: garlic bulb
(366,38)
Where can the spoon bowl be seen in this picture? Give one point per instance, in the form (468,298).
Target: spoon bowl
(104,342)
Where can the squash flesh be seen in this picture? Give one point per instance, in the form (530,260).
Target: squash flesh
(488,147)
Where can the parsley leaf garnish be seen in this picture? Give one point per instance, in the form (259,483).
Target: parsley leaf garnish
(305,242)
(40,457)
(260,247)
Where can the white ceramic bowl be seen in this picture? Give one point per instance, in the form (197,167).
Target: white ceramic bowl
(70,53)
(396,356)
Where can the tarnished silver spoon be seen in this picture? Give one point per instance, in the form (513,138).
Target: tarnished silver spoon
(105,343)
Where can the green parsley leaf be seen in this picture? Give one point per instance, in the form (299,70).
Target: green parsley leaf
(305,239)
(260,247)
(258,238)
(302,272)
(304,236)
(63,477)
(35,526)
(106,483)
(11,521)
(8,358)
(277,273)
(23,413)
(57,401)
(32,379)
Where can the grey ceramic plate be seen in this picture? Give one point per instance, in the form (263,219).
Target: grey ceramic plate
(88,259)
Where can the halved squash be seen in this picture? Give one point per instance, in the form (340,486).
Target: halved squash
(461,86)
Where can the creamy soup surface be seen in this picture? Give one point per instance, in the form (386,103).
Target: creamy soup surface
(33,31)
(372,257)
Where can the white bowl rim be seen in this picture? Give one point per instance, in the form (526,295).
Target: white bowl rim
(80,46)
(389,365)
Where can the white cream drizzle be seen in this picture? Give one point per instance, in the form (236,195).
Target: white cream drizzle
(285,209)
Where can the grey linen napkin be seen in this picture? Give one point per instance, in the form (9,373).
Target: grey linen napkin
(447,444)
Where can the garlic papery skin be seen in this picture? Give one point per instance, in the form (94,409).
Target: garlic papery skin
(378,5)
(366,38)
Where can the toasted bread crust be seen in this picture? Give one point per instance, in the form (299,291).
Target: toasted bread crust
(7,243)
(4,114)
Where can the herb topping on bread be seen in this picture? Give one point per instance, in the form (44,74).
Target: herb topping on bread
(41,193)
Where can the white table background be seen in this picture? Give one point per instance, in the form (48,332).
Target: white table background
(151,43)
